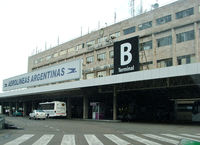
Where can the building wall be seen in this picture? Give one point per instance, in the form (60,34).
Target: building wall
(166,55)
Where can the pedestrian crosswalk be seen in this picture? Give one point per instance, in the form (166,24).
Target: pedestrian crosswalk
(115,139)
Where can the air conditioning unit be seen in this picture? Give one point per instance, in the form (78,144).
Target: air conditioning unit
(112,37)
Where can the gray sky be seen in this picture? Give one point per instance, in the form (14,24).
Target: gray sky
(27,24)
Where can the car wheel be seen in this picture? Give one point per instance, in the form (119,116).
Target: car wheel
(29,117)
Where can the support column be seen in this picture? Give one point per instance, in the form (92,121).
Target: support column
(174,57)
(114,103)
(69,112)
(154,45)
(24,108)
(175,110)
(10,109)
(17,106)
(85,107)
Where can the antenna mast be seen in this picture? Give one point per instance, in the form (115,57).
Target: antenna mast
(132,8)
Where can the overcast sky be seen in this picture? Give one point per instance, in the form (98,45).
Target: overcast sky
(27,24)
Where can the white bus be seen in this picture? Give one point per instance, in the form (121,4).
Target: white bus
(54,109)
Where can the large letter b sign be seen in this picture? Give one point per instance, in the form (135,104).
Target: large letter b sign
(125,52)
(126,55)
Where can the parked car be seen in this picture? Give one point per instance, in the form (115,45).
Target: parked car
(37,114)
(17,113)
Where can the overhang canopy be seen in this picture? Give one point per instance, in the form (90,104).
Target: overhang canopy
(167,72)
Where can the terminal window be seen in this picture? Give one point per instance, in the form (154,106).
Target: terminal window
(164,63)
(90,59)
(164,41)
(163,20)
(145,25)
(111,54)
(101,56)
(185,36)
(129,30)
(146,45)
(184,13)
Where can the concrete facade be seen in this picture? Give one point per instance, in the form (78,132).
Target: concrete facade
(101,42)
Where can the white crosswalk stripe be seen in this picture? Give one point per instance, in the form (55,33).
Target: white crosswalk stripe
(68,140)
(44,140)
(189,135)
(162,138)
(116,139)
(141,140)
(179,137)
(92,140)
(20,139)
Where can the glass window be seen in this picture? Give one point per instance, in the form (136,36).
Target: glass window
(145,25)
(63,52)
(129,30)
(199,9)
(163,20)
(184,13)
(164,63)
(146,45)
(55,55)
(146,65)
(70,50)
(101,56)
(36,61)
(90,59)
(90,76)
(48,57)
(111,72)
(103,39)
(101,74)
(186,59)
(91,43)
(164,41)
(80,46)
(111,54)
(185,36)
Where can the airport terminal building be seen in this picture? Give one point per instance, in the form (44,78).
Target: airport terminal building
(144,68)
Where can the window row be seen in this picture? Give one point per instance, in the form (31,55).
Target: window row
(100,57)
(187,59)
(159,21)
(164,41)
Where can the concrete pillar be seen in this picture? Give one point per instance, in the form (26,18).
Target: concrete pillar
(24,108)
(197,49)
(175,110)
(114,103)
(10,109)
(154,45)
(174,57)
(85,107)
(17,106)
(69,112)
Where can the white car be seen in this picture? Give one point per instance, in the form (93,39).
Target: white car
(37,114)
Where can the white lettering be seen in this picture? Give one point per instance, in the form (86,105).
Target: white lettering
(125,53)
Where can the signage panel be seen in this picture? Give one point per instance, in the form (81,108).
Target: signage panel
(126,55)
(66,71)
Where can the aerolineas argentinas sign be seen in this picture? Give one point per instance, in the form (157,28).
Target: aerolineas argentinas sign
(126,55)
(66,71)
